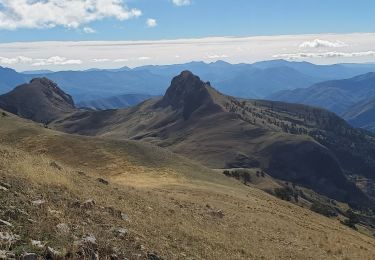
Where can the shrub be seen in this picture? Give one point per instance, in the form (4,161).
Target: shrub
(352,219)
(285,193)
(246,177)
(227,173)
(323,209)
(239,174)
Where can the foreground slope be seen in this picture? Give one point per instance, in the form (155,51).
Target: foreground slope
(289,141)
(156,204)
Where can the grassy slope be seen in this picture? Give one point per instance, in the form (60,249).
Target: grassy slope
(171,202)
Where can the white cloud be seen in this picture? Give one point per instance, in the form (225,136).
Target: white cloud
(15,60)
(88,30)
(54,60)
(217,56)
(317,43)
(120,60)
(331,54)
(360,48)
(16,14)
(151,22)
(100,60)
(181,2)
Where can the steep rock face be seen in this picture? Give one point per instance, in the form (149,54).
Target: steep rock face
(41,100)
(188,94)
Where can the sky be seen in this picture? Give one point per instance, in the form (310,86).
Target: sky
(81,34)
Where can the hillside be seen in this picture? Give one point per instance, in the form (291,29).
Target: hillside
(40,100)
(362,114)
(121,101)
(337,95)
(74,196)
(195,120)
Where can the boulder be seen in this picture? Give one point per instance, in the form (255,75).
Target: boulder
(8,238)
(37,244)
(5,223)
(51,253)
(89,204)
(63,228)
(55,165)
(39,202)
(29,256)
(87,247)
(105,182)
(120,232)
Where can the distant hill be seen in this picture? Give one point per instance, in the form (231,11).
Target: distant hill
(121,101)
(335,95)
(40,100)
(9,79)
(296,143)
(322,72)
(362,114)
(258,83)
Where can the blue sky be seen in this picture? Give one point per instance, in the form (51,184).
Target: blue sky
(79,34)
(204,18)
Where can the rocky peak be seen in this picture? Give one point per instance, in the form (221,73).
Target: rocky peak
(51,90)
(40,100)
(187,92)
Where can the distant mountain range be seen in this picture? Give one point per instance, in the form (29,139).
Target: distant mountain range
(257,80)
(336,87)
(351,98)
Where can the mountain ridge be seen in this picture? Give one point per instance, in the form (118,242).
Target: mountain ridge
(195,120)
(334,95)
(257,80)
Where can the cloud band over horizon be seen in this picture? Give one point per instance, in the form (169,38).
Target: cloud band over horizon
(318,48)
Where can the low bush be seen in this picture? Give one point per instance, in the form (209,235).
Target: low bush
(323,209)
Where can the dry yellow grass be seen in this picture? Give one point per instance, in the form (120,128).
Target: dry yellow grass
(176,207)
